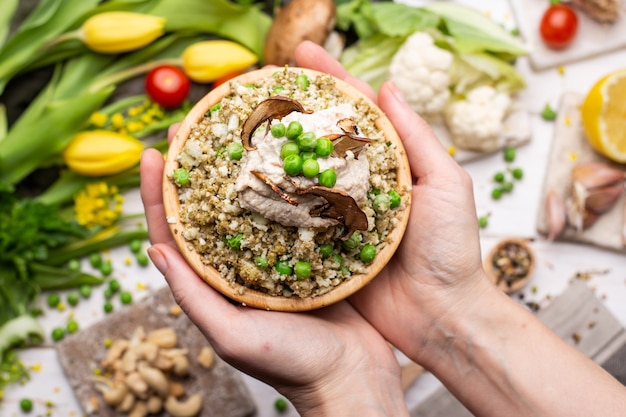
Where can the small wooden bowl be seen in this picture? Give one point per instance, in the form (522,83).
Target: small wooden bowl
(494,272)
(259,299)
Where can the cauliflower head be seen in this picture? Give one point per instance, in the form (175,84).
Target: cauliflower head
(420,70)
(477,121)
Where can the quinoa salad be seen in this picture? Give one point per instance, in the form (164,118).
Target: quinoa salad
(292,203)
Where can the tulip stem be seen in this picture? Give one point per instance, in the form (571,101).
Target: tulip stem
(64,37)
(130,73)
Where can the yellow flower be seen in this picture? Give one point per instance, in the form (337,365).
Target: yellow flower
(98,119)
(206,61)
(117,32)
(98,204)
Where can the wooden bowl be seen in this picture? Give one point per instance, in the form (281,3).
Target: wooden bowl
(510,246)
(252,297)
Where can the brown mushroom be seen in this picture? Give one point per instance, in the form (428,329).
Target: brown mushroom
(281,193)
(342,143)
(275,107)
(340,206)
(298,21)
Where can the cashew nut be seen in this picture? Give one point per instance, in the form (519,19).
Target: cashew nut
(112,392)
(154,377)
(147,351)
(129,361)
(127,403)
(139,410)
(187,408)
(181,366)
(136,384)
(115,352)
(154,404)
(164,337)
(206,357)
(176,389)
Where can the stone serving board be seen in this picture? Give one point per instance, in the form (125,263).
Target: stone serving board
(570,147)
(223,390)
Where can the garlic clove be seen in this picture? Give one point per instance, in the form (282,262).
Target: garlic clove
(555,214)
(593,175)
(601,200)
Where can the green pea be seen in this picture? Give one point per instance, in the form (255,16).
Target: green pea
(280,405)
(278,130)
(234,242)
(368,253)
(324,147)
(310,168)
(328,178)
(292,165)
(325,250)
(261,262)
(72,326)
(483,222)
(507,186)
(352,242)
(26,405)
(142,259)
(496,193)
(498,177)
(126,297)
(308,155)
(283,268)
(114,285)
(345,271)
(235,151)
(302,81)
(73,265)
(215,107)
(302,269)
(106,269)
(307,141)
(57,334)
(85,290)
(517,173)
(95,259)
(294,129)
(72,298)
(135,245)
(181,176)
(548,113)
(278,89)
(289,148)
(394,199)
(337,259)
(53,300)
(509,154)
(108,293)
(381,203)
(107,307)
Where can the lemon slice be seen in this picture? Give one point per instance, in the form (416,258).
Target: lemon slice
(604,116)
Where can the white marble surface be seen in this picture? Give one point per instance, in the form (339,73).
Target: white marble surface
(513,215)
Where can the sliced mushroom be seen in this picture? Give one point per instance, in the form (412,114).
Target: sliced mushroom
(342,143)
(281,193)
(275,107)
(340,206)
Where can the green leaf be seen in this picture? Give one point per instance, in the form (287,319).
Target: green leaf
(475,32)
(472,70)
(396,19)
(8,10)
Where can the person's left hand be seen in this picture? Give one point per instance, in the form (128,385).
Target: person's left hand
(324,361)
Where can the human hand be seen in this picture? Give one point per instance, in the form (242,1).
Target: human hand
(327,362)
(438,264)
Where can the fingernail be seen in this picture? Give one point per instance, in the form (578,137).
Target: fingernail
(157,259)
(396,92)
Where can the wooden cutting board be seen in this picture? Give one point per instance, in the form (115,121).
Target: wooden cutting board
(224,391)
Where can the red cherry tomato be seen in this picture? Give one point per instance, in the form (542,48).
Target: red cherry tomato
(167,85)
(559,25)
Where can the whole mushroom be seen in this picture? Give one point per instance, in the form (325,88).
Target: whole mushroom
(298,21)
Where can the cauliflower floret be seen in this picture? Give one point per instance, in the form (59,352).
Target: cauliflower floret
(476,122)
(420,70)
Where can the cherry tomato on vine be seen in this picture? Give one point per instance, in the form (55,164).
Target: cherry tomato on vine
(559,25)
(167,85)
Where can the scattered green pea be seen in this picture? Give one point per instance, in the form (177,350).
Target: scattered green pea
(517,173)
(548,113)
(234,151)
(345,271)
(337,259)
(352,242)
(507,186)
(181,176)
(95,259)
(496,193)
(280,405)
(106,268)
(289,148)
(325,250)
(85,290)
(307,141)
(324,147)
(57,334)
(278,89)
(302,81)
(107,307)
(283,268)
(278,130)
(302,269)
(499,177)
(72,298)
(483,222)
(308,155)
(26,405)
(261,262)
(310,168)
(381,203)
(328,178)
(108,293)
(294,129)
(142,259)
(292,165)
(73,265)
(216,107)
(126,297)
(368,253)
(135,245)
(53,300)
(509,154)
(72,326)
(394,199)
(234,242)
(114,285)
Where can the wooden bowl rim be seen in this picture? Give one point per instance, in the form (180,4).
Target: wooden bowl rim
(259,299)
(489,268)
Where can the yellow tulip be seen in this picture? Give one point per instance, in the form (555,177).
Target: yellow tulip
(117,32)
(101,152)
(206,61)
